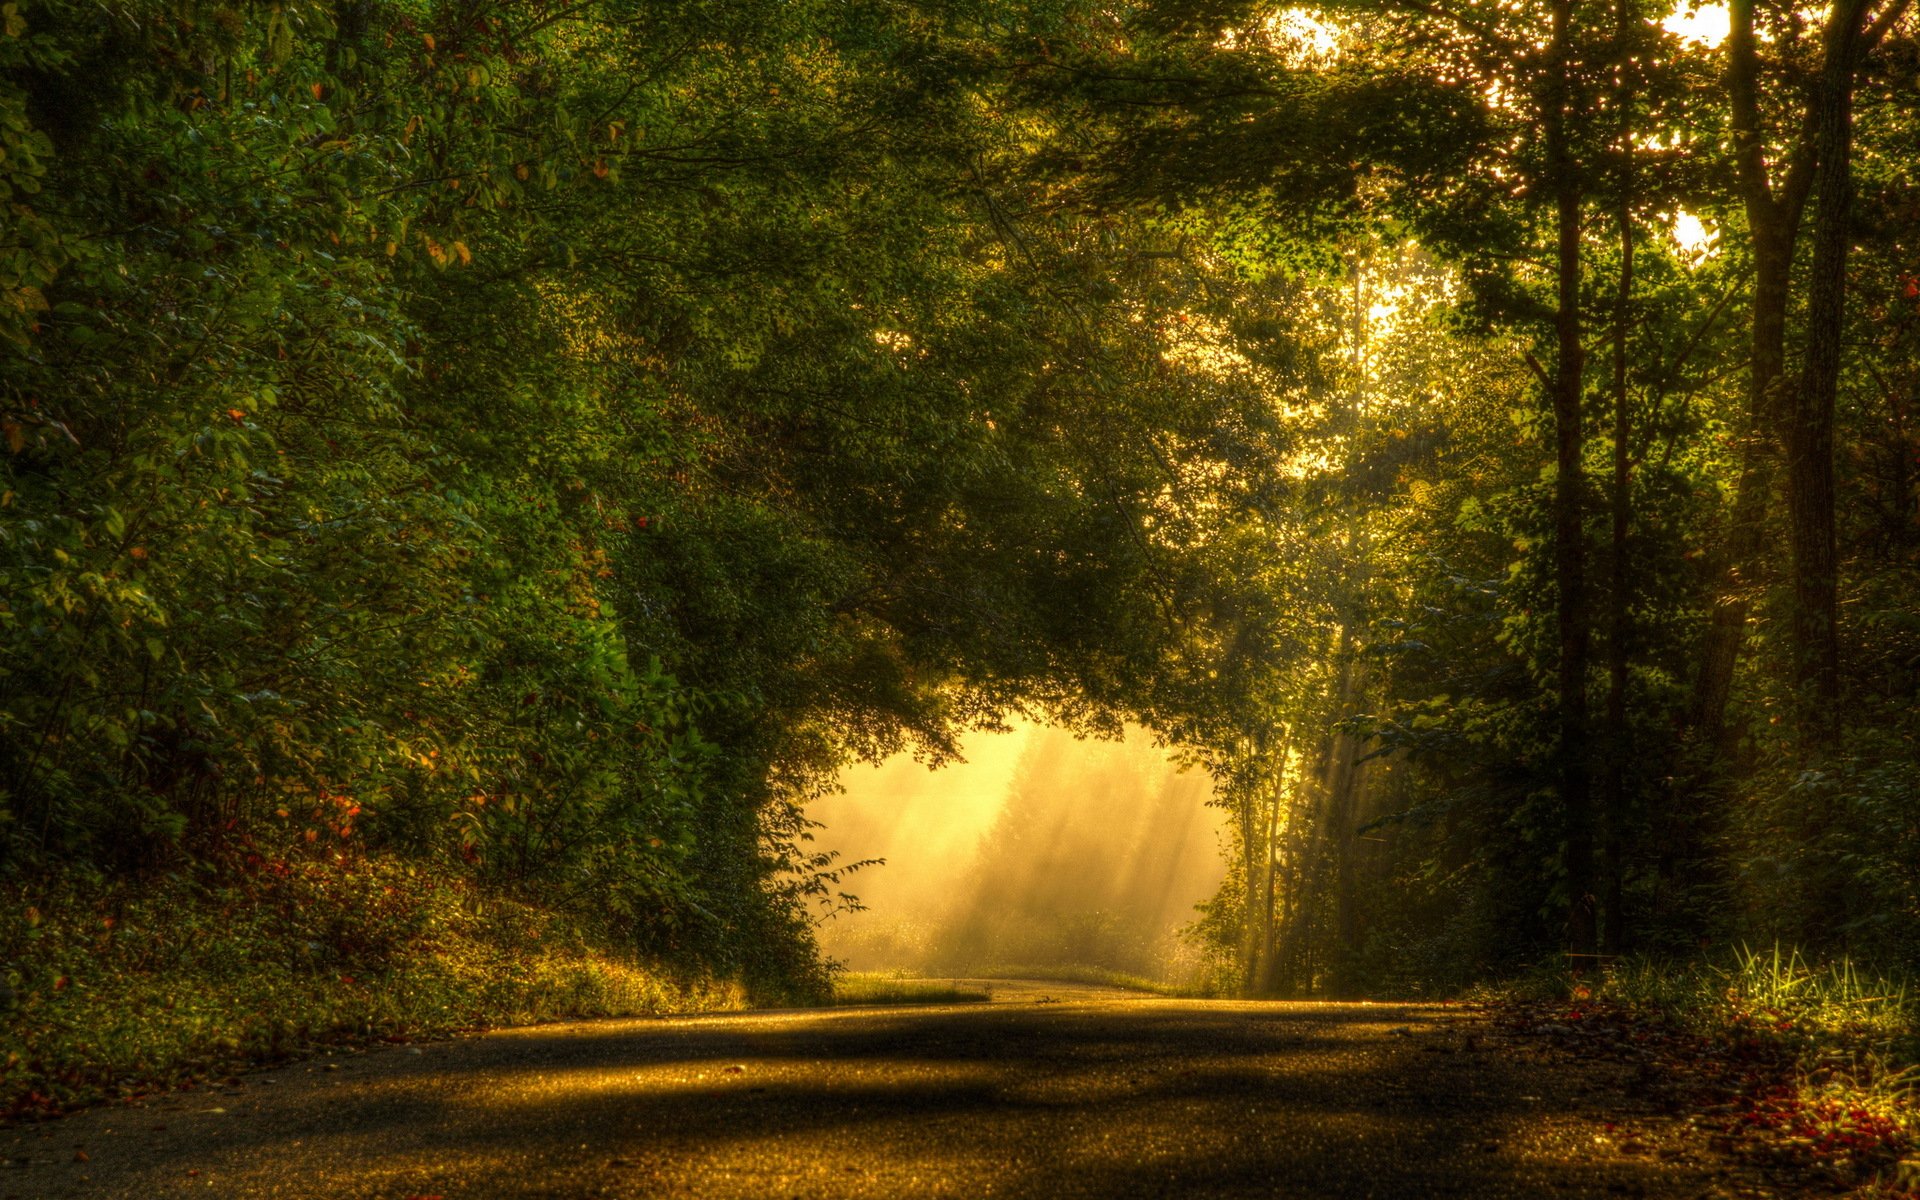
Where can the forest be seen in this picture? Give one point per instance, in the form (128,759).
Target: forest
(476,470)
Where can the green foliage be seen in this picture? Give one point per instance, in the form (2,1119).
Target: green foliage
(145,988)
(540,447)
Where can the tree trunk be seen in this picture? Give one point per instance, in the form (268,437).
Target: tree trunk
(1250,963)
(1613,810)
(1269,967)
(1570,565)
(1809,419)
(1340,821)
(1614,806)
(1773,222)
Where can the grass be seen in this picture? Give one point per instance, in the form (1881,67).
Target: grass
(873,987)
(113,993)
(1775,995)
(1082,973)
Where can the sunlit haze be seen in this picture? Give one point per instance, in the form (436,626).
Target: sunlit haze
(1039,849)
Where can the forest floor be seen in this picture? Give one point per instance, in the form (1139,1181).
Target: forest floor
(1050,1090)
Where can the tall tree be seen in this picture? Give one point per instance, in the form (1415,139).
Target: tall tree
(1852,29)
(1777,174)
(1559,97)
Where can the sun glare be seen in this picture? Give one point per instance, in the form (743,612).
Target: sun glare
(1695,239)
(1705,24)
(1302,39)
(1305,34)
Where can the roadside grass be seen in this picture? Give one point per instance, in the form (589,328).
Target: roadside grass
(118,992)
(876,987)
(1795,1064)
(1084,973)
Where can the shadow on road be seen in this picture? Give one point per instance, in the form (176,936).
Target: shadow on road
(1106,1098)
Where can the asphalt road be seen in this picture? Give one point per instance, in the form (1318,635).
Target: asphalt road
(1049,1091)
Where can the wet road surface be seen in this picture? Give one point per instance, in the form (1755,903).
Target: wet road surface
(1050,1091)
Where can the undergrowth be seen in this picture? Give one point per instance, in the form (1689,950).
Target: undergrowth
(109,992)
(1791,1062)
(1820,1013)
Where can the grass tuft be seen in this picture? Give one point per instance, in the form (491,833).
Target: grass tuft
(872,987)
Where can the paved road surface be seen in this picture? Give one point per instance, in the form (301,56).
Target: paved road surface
(1050,1091)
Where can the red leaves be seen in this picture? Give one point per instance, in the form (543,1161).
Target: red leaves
(1823,1129)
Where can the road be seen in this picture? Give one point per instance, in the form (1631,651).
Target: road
(1050,1091)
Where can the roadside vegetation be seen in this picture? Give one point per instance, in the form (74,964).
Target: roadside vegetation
(1810,1069)
(150,987)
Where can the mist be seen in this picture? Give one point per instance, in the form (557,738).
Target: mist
(1040,853)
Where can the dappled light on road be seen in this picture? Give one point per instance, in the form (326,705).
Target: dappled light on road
(1048,1091)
